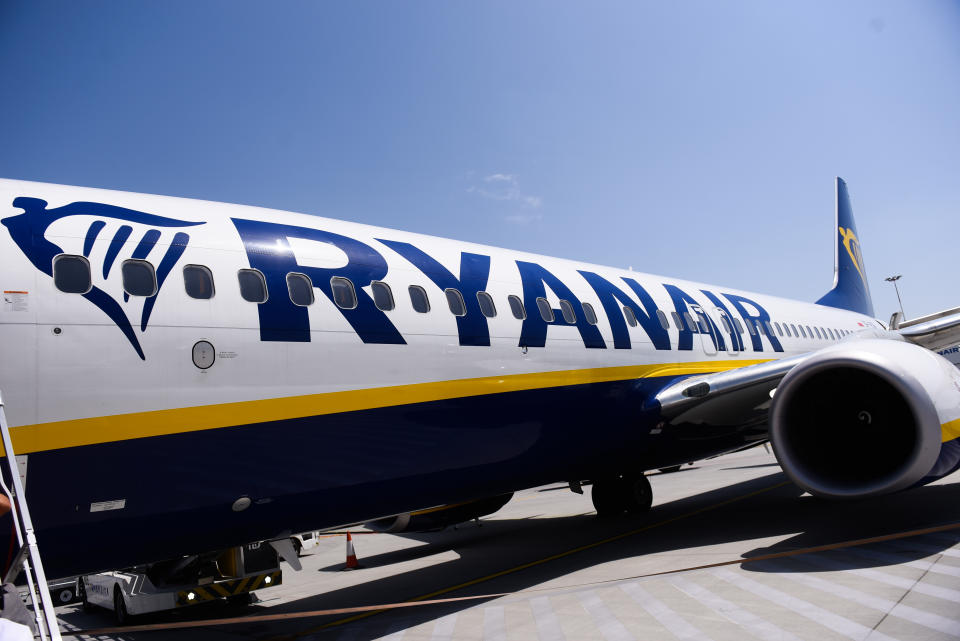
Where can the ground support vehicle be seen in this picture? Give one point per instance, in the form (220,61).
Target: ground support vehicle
(305,541)
(232,575)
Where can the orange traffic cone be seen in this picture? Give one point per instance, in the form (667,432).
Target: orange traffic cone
(352,563)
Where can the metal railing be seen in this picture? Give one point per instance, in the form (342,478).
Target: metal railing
(27,558)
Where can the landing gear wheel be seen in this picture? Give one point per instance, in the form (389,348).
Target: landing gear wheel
(616,495)
(297,546)
(637,494)
(82,593)
(120,613)
(607,497)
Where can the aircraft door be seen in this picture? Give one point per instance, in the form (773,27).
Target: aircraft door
(708,335)
(727,325)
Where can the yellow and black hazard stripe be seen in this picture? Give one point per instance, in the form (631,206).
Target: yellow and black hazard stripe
(223,589)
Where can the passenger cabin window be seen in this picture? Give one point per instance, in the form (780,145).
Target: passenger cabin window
(300,288)
(630,316)
(198,281)
(418,297)
(382,295)
(726,324)
(794,328)
(516,307)
(803,333)
(546,312)
(664,321)
(567,310)
(767,326)
(455,302)
(253,286)
(690,322)
(776,326)
(487,308)
(676,320)
(809,332)
(139,278)
(703,322)
(589,314)
(71,274)
(736,321)
(344,295)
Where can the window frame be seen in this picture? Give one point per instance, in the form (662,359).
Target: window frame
(543,305)
(519,306)
(664,321)
(353,291)
(379,284)
(209,272)
(483,296)
(677,320)
(301,276)
(589,314)
(426,299)
(263,281)
(566,306)
(458,297)
(86,263)
(153,274)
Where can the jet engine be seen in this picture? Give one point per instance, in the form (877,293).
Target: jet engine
(440,517)
(864,418)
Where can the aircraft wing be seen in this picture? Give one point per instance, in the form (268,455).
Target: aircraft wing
(934,332)
(735,397)
(742,395)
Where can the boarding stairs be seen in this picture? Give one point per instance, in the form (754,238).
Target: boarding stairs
(27,559)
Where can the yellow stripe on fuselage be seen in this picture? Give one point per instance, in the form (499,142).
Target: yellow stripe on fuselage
(121,427)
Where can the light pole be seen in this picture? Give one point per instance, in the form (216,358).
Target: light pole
(894,279)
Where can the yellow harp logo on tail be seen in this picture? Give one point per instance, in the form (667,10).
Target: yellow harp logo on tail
(852,245)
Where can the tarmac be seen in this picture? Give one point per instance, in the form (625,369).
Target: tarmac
(546,567)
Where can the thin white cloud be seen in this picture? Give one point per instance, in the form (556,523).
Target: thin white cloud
(507,178)
(506,188)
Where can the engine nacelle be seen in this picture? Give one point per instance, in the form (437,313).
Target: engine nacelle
(865,418)
(440,517)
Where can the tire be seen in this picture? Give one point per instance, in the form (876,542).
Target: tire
(607,496)
(120,613)
(638,495)
(297,546)
(82,593)
(671,469)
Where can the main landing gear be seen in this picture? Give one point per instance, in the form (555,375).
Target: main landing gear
(630,493)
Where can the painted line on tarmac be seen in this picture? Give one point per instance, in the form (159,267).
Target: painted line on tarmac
(370,610)
(530,564)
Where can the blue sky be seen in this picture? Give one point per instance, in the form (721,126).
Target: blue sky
(694,139)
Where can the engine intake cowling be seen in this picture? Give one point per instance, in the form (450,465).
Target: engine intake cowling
(863,418)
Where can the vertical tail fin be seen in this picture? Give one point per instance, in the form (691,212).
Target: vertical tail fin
(850,289)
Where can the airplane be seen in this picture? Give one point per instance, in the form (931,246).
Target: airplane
(184,376)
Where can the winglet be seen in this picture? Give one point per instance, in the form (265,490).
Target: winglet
(850,289)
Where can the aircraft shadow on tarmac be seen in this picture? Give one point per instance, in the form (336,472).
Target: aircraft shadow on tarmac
(693,522)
